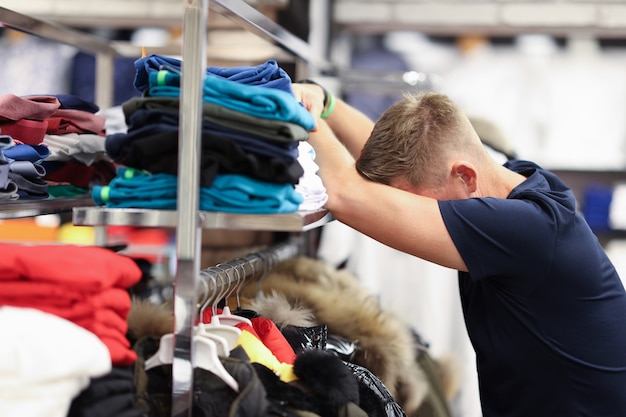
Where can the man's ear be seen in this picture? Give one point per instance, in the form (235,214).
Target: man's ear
(466,172)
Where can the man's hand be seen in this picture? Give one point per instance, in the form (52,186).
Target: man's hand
(311,96)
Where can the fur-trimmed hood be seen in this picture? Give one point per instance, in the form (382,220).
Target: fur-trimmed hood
(147,319)
(307,292)
(337,299)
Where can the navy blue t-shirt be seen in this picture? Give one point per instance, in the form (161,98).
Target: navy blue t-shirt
(543,305)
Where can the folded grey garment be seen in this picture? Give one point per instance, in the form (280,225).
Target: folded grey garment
(271,129)
(491,135)
(266,128)
(33,185)
(27,169)
(5,141)
(9,192)
(4,174)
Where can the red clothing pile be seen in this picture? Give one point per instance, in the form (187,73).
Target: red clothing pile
(83,284)
(28,119)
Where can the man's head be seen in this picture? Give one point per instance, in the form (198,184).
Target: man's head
(423,144)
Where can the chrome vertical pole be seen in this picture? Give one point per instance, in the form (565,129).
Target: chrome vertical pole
(188,232)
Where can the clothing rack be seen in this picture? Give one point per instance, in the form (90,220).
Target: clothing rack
(223,279)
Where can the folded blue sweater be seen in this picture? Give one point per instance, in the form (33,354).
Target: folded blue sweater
(268,74)
(268,103)
(228,193)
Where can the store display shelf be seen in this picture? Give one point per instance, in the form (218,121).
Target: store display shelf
(285,222)
(53,31)
(24,208)
(250,19)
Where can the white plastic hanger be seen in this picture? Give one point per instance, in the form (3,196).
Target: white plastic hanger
(226,316)
(204,356)
(221,343)
(230,333)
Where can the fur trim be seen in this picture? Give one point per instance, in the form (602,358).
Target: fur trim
(148,319)
(338,300)
(448,369)
(277,308)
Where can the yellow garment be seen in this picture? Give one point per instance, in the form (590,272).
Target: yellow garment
(259,353)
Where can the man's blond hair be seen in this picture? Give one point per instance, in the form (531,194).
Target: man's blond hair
(414,139)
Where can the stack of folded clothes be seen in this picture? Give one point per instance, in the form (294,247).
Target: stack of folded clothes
(63,314)
(49,140)
(252,126)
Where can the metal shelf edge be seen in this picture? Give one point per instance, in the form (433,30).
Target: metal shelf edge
(249,18)
(54,31)
(285,222)
(29,208)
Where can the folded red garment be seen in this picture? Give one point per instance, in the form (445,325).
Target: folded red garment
(13,107)
(101,328)
(83,268)
(115,340)
(111,319)
(36,293)
(114,299)
(107,325)
(29,132)
(72,172)
(64,121)
(111,305)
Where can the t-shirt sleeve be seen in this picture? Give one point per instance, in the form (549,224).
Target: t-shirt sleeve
(501,237)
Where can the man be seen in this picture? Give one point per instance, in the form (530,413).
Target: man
(543,305)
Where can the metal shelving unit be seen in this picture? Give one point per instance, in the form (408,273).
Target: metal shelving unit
(187,219)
